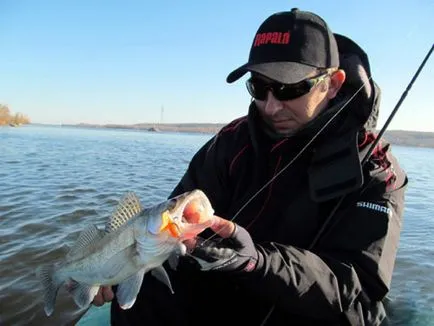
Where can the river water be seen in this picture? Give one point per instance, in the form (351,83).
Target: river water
(56,180)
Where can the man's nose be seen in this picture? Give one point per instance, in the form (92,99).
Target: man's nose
(272,105)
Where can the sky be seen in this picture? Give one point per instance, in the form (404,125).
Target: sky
(164,61)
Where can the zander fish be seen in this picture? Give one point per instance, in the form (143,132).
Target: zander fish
(135,240)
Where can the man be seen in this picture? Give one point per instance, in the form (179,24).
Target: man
(315,231)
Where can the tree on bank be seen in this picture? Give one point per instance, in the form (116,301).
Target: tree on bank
(6,117)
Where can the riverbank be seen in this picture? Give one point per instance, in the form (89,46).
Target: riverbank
(397,137)
(208,128)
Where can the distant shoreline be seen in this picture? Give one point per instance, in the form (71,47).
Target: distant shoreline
(397,137)
(208,128)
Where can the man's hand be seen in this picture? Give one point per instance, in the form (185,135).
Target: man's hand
(105,294)
(235,252)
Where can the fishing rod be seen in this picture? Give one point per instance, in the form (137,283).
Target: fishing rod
(392,114)
(375,143)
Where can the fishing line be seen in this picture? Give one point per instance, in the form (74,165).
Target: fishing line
(296,156)
(300,152)
(364,160)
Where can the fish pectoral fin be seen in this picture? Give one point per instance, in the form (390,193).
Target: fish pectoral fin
(83,294)
(160,274)
(173,261)
(128,289)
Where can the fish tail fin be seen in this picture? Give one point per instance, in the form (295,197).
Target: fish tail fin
(51,286)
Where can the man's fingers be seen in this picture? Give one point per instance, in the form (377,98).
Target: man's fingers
(98,300)
(223,227)
(105,294)
(190,243)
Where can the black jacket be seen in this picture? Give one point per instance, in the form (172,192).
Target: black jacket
(309,273)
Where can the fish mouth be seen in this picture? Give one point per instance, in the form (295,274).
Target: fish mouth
(191,213)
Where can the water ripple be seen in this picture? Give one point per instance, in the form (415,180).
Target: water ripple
(68,178)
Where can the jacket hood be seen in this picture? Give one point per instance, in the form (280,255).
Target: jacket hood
(364,107)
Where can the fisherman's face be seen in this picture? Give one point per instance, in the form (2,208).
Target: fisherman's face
(287,116)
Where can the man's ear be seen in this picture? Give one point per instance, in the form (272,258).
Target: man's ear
(337,79)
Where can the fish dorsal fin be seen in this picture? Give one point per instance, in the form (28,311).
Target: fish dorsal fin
(128,207)
(89,235)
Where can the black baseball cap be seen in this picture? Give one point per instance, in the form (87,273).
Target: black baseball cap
(289,46)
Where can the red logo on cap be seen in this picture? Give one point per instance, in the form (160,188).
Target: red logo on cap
(272,38)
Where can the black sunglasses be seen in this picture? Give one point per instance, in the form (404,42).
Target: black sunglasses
(259,88)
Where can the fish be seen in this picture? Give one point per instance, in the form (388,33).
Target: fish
(134,241)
